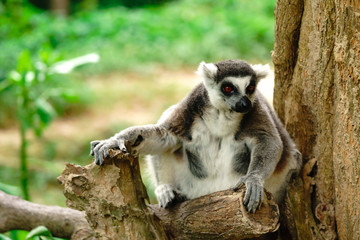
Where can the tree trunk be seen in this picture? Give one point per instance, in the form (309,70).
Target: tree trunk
(113,198)
(60,7)
(317,96)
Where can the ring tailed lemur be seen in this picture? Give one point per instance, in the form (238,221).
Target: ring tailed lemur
(221,135)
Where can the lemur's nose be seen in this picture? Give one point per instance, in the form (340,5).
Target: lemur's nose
(243,105)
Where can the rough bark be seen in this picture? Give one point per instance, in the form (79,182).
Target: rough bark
(16,213)
(317,96)
(113,199)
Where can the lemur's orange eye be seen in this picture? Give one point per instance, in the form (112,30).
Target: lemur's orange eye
(228,89)
(251,87)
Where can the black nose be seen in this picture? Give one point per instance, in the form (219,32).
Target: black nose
(243,105)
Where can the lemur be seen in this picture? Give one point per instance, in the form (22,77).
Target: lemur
(221,135)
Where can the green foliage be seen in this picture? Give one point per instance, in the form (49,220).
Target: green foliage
(182,32)
(115,3)
(33,91)
(9,189)
(177,33)
(39,233)
(15,235)
(3,237)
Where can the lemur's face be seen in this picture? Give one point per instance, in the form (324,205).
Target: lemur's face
(236,92)
(231,84)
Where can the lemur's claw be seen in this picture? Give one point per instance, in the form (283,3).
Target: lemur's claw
(92,146)
(100,149)
(238,186)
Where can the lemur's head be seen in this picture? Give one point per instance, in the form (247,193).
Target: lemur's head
(231,84)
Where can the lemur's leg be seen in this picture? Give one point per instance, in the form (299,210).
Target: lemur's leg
(265,154)
(147,139)
(162,171)
(279,180)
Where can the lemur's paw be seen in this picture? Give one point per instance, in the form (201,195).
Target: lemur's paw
(167,195)
(254,192)
(100,149)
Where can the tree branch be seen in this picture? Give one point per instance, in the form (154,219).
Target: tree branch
(16,213)
(113,197)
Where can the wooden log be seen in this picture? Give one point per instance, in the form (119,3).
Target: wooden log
(16,213)
(113,197)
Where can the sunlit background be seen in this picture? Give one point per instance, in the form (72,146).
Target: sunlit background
(72,71)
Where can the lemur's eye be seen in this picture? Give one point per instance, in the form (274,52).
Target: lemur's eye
(251,88)
(228,89)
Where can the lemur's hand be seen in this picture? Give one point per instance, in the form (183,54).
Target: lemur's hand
(100,149)
(254,192)
(126,141)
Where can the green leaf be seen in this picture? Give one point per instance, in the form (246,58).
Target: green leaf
(70,96)
(18,234)
(45,54)
(12,190)
(24,62)
(3,237)
(64,67)
(40,231)
(4,84)
(45,111)
(14,76)
(38,125)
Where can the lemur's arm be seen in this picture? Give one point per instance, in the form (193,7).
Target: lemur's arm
(265,153)
(147,139)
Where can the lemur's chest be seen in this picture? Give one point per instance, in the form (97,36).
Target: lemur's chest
(214,160)
(213,148)
(219,124)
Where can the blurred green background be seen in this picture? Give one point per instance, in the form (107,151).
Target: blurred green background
(149,51)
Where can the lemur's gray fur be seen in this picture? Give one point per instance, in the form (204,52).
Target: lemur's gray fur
(223,134)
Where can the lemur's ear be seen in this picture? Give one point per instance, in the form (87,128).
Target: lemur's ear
(261,70)
(207,70)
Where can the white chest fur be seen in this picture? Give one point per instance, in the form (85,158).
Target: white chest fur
(221,124)
(215,147)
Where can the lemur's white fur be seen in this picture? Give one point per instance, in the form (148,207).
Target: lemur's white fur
(206,70)
(225,140)
(261,70)
(206,142)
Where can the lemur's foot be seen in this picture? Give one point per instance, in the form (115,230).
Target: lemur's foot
(167,195)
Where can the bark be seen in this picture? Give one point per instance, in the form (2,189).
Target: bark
(60,7)
(16,213)
(113,197)
(317,96)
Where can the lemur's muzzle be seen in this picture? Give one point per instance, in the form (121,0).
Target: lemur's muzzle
(243,106)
